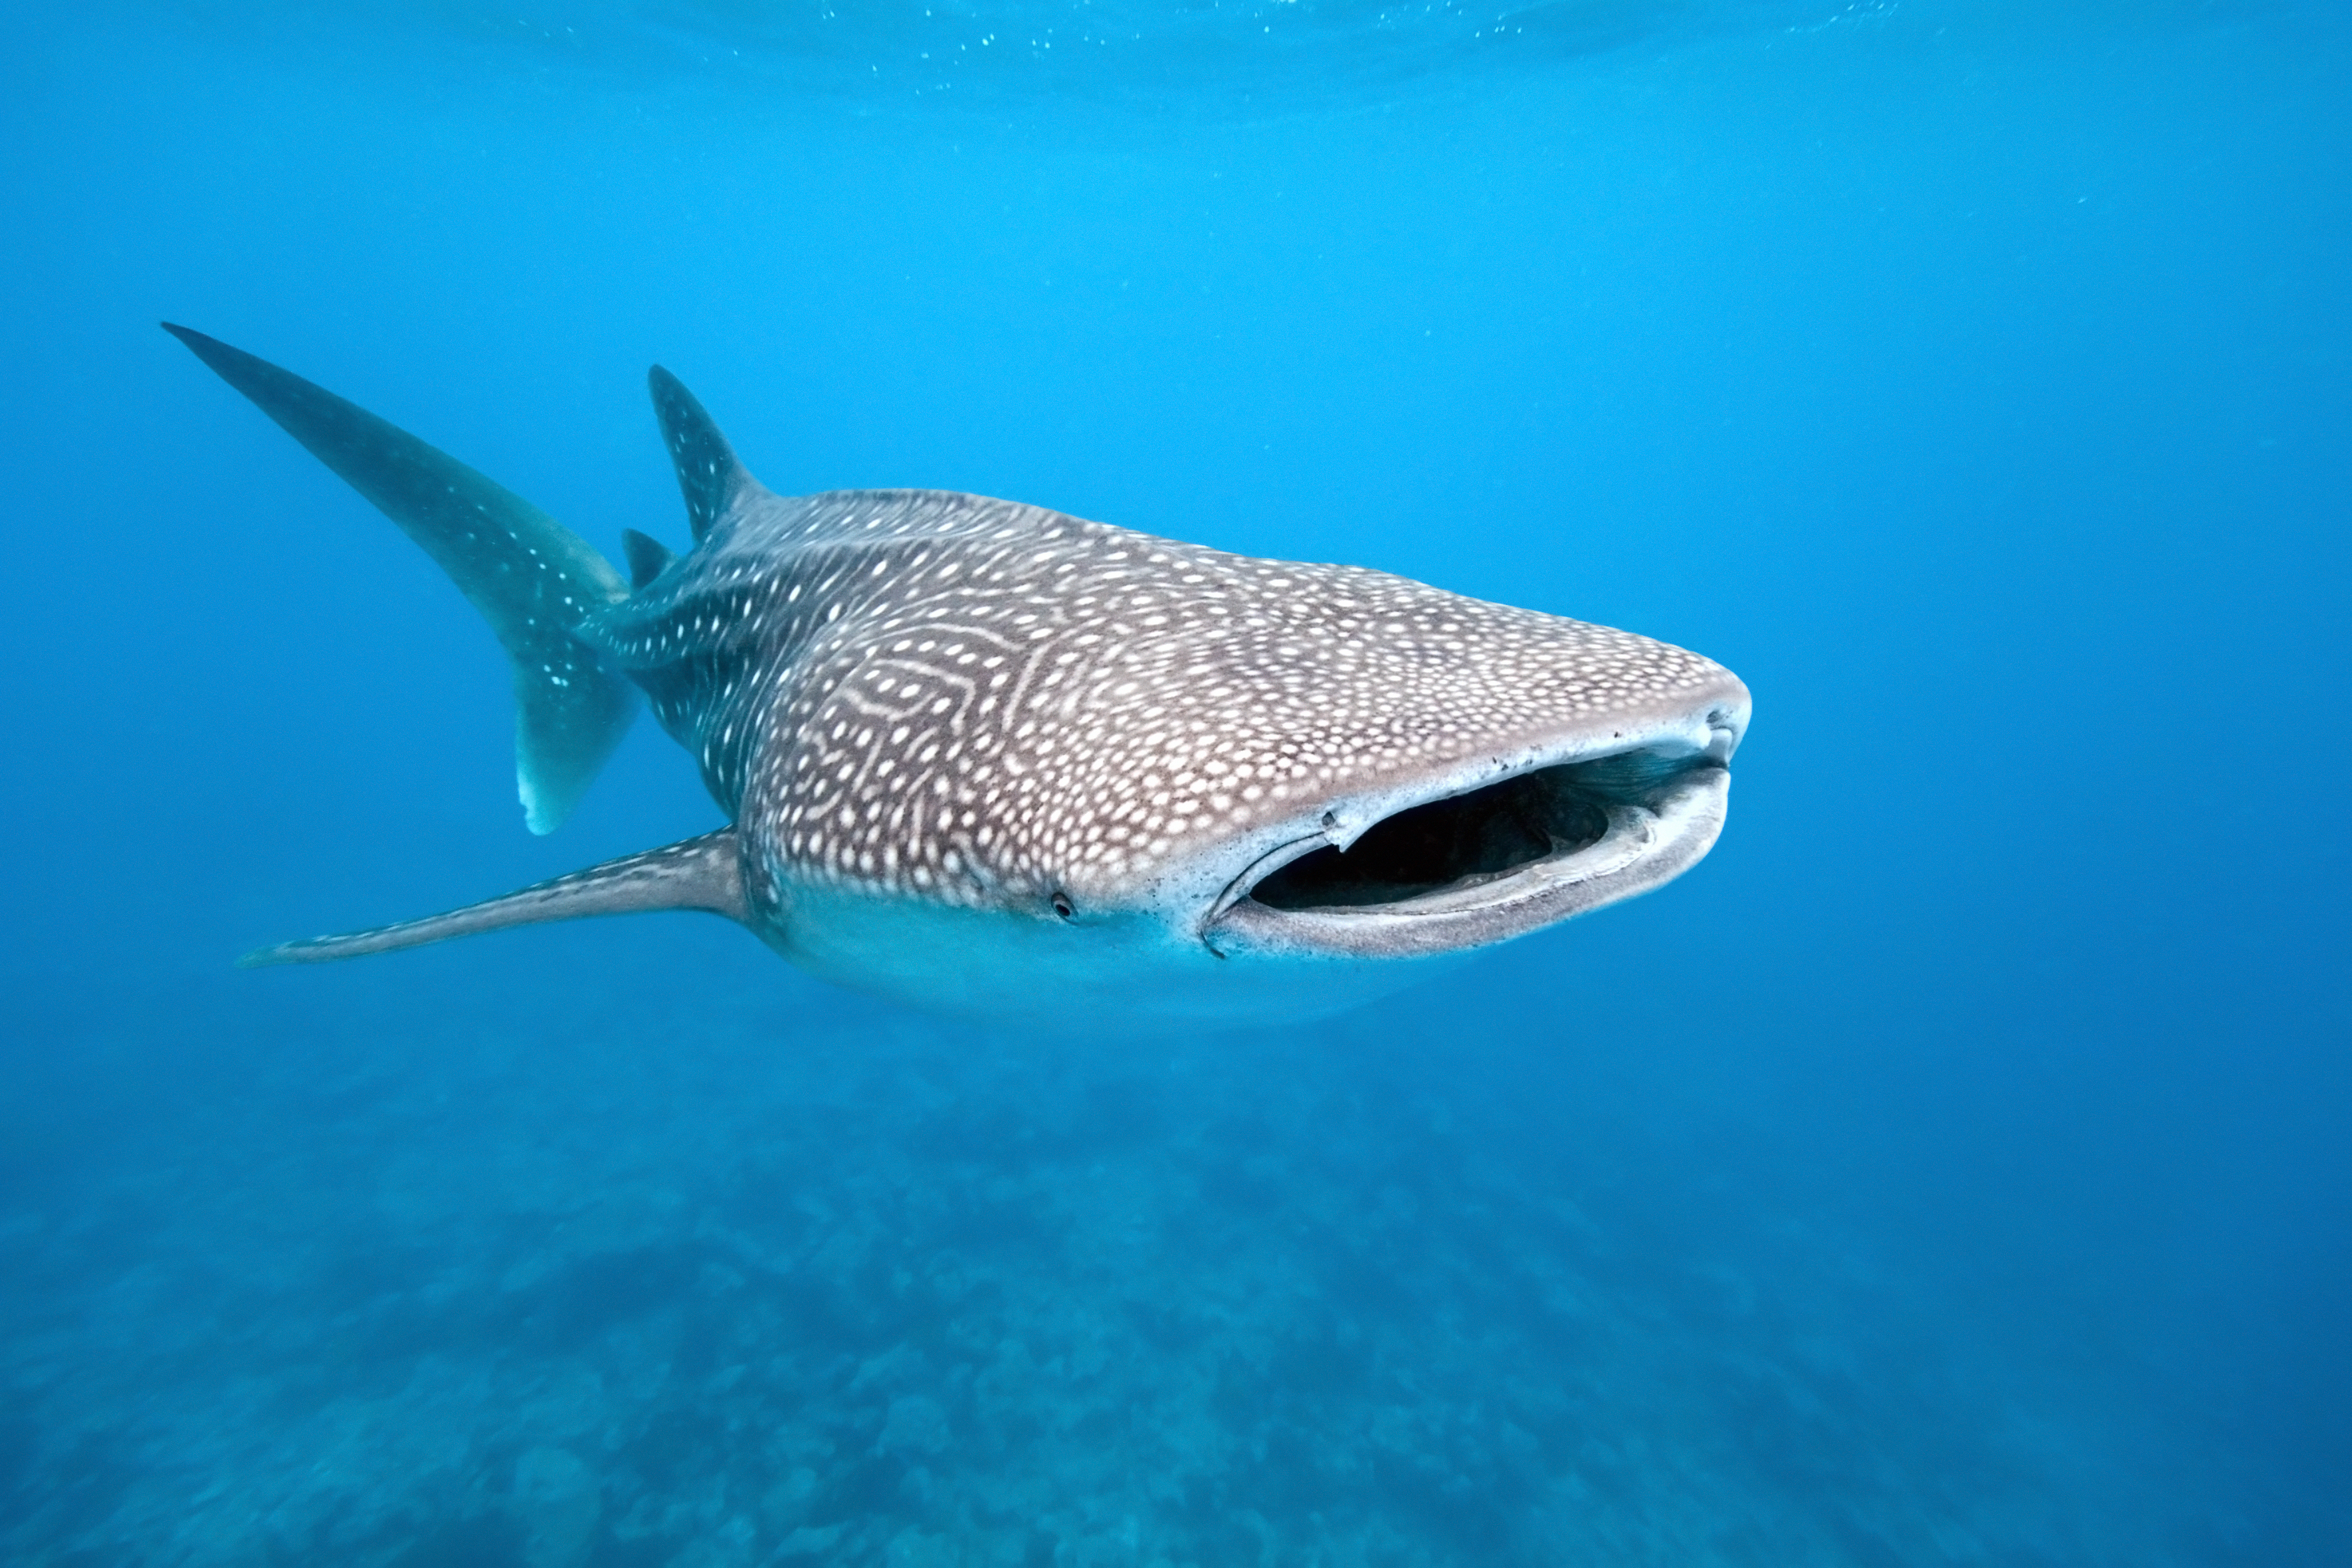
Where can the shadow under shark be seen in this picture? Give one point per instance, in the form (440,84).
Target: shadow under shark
(986,758)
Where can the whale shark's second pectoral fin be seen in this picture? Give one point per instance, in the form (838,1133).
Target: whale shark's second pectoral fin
(532,578)
(704,873)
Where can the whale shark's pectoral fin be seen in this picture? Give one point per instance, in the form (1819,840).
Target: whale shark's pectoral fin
(704,873)
(534,579)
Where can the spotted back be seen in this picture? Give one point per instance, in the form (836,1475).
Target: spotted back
(977,701)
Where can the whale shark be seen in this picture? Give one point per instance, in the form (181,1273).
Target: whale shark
(986,758)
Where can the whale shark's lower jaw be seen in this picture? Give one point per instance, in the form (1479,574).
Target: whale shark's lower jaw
(1469,870)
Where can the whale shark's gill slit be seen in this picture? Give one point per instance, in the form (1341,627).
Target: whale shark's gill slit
(1459,841)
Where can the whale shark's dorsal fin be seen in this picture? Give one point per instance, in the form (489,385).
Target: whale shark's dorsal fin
(532,578)
(704,873)
(710,475)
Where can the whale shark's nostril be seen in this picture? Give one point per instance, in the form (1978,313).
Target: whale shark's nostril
(1722,736)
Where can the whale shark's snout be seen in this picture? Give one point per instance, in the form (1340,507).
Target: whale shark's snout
(989,758)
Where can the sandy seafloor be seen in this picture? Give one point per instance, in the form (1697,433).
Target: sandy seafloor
(1951,1170)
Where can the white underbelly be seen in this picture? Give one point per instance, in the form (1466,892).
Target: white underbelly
(1122,974)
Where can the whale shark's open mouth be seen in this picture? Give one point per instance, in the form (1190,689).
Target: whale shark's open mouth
(1479,867)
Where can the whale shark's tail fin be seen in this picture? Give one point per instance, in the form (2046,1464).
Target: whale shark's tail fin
(532,578)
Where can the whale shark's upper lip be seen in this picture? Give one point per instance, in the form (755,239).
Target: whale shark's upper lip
(1456,866)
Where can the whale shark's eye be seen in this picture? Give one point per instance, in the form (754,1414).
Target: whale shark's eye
(1062,905)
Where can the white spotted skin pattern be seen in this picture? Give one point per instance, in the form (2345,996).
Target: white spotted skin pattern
(979,703)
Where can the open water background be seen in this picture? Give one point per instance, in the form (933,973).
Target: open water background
(1952,1168)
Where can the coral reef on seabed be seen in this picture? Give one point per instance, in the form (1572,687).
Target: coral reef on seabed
(863,1289)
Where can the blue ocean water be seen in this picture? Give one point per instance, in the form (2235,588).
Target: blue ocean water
(1951,1169)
